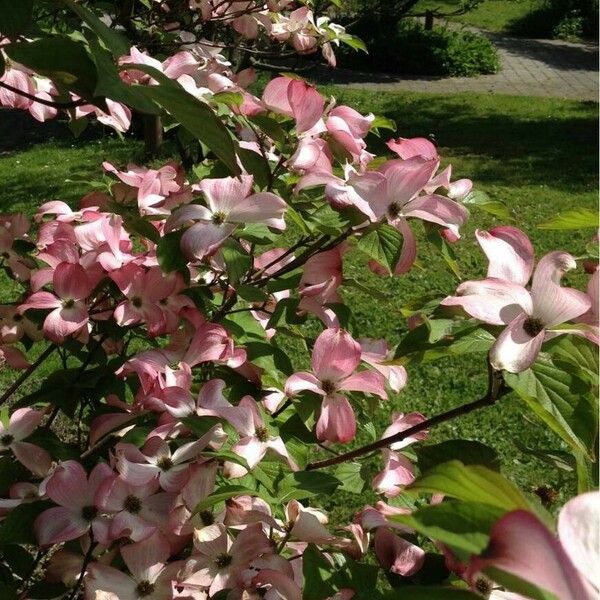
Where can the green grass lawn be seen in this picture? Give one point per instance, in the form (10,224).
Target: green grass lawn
(492,15)
(537,155)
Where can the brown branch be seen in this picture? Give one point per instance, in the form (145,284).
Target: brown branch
(26,374)
(495,391)
(65,105)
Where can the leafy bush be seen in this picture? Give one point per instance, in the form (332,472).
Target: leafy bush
(411,49)
(564,19)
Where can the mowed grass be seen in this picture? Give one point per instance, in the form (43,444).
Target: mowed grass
(536,155)
(501,16)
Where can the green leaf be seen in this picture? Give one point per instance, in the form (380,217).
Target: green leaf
(516,584)
(141,227)
(256,164)
(383,244)
(17,526)
(463,526)
(576,352)
(556,458)
(8,593)
(431,593)
(444,248)
(269,126)
(15,16)
(366,289)
(351,477)
(251,294)
(562,400)
(198,118)
(112,39)
(237,260)
(482,201)
(110,85)
(269,357)
(169,254)
(471,483)
(223,493)
(380,122)
(61,59)
(200,425)
(467,451)
(306,484)
(225,455)
(317,573)
(580,218)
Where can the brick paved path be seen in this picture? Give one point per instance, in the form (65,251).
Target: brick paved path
(550,68)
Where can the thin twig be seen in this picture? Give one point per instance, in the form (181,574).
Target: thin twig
(26,374)
(494,392)
(51,104)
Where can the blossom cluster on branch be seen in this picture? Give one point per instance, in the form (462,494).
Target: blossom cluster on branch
(176,451)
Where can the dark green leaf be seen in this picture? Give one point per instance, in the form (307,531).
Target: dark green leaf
(556,458)
(518,585)
(19,560)
(46,591)
(169,254)
(15,16)
(256,164)
(562,400)
(269,357)
(383,244)
(142,227)
(200,425)
(17,526)
(306,484)
(223,493)
(471,483)
(61,59)
(580,218)
(351,477)
(463,526)
(484,202)
(112,39)
(269,126)
(469,452)
(317,573)
(237,260)
(8,593)
(198,118)
(444,248)
(251,294)
(372,292)
(431,593)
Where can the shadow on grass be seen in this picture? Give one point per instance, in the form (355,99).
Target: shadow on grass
(515,141)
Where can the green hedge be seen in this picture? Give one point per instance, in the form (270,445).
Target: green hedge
(408,48)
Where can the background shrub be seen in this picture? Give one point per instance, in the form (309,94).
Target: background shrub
(408,48)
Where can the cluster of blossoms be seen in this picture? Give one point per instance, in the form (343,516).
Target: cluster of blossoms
(169,301)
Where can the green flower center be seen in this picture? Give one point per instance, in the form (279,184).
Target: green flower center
(89,513)
(328,386)
(219,217)
(165,463)
(393,210)
(206,517)
(70,303)
(262,434)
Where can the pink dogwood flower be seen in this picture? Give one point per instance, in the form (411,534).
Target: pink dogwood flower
(532,316)
(397,473)
(22,423)
(335,357)
(150,577)
(294,98)
(255,441)
(72,286)
(376,353)
(230,203)
(219,561)
(397,554)
(565,566)
(76,513)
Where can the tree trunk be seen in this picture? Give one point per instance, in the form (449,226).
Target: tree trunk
(428,20)
(153,134)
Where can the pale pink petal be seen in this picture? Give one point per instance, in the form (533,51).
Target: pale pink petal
(515,350)
(337,422)
(249,544)
(299,382)
(40,300)
(143,558)
(36,459)
(437,209)
(398,472)
(285,586)
(397,554)
(493,301)
(409,147)
(68,484)
(23,422)
(252,450)
(402,422)
(335,355)
(522,546)
(224,194)
(579,534)
(275,96)
(71,282)
(59,524)
(554,304)
(264,208)
(110,581)
(367,382)
(204,239)
(509,252)
(306,103)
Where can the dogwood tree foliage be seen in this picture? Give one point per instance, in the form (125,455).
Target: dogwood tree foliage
(178,451)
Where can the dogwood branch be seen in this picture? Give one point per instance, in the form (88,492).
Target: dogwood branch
(27,373)
(496,390)
(50,103)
